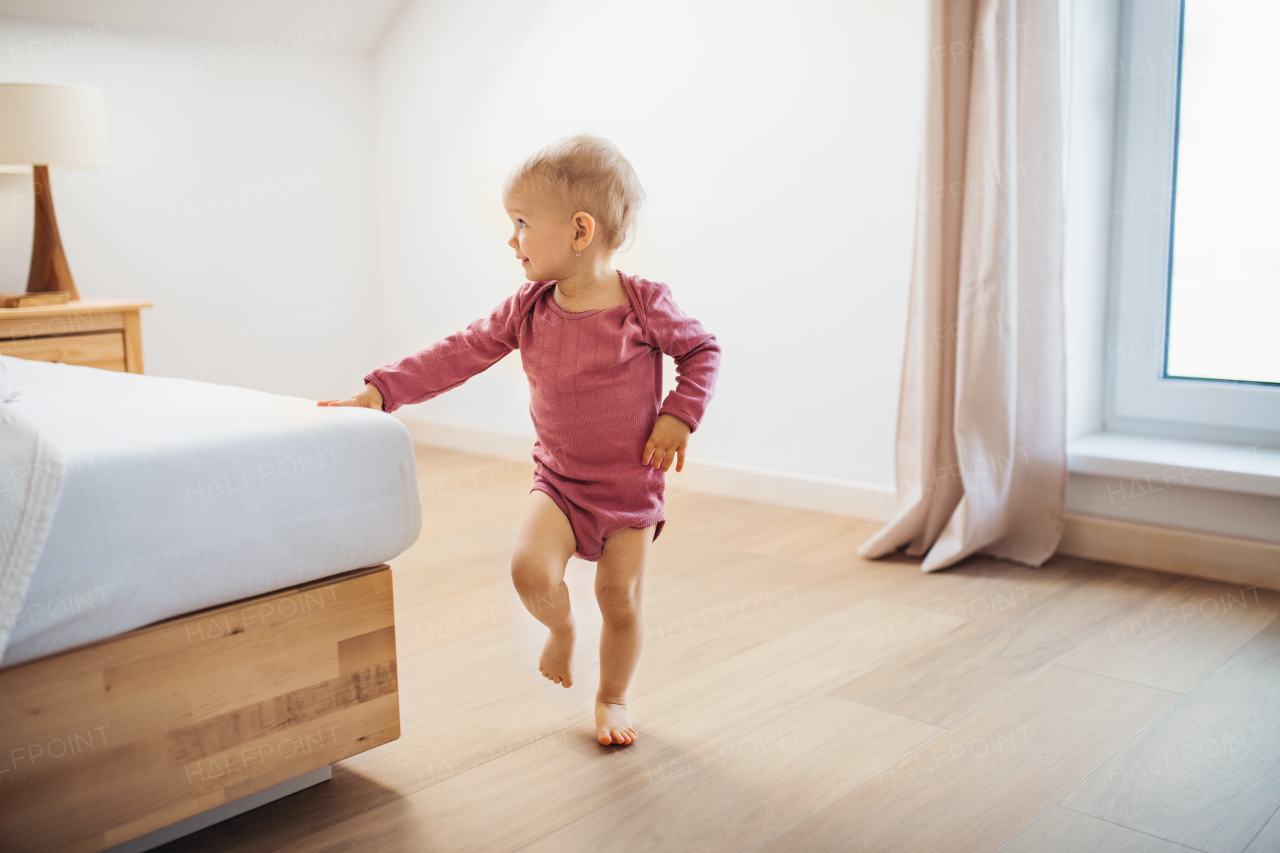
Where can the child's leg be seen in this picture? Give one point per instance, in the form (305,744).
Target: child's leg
(619,585)
(543,548)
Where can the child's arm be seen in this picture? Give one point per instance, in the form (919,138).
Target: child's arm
(444,365)
(697,357)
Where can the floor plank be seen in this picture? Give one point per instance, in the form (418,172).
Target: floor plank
(1268,840)
(1179,636)
(1207,774)
(972,664)
(1061,830)
(1007,765)
(753,788)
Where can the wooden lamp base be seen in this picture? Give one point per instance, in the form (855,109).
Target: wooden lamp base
(49,270)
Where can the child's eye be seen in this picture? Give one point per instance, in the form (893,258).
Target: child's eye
(523,224)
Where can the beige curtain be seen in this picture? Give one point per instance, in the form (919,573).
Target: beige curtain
(981,456)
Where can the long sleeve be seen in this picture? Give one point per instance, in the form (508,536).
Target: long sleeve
(694,349)
(451,361)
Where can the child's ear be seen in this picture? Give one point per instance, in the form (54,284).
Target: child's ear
(584,229)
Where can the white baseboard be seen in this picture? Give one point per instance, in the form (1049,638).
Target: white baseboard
(1248,562)
(762,485)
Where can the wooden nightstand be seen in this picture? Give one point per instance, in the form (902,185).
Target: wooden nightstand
(103,333)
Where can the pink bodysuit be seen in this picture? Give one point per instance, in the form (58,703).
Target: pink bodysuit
(595,382)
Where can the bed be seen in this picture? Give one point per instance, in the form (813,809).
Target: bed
(203,614)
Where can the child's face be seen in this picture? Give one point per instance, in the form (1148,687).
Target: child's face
(543,237)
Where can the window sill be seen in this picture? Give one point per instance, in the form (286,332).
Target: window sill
(1252,469)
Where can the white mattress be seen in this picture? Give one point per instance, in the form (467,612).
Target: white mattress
(180,495)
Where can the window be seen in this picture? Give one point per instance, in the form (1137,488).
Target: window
(1194,337)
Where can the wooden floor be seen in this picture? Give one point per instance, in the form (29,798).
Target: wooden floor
(793,697)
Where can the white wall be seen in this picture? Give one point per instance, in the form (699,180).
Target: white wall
(778,147)
(239,199)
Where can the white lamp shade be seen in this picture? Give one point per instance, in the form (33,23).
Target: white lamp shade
(52,125)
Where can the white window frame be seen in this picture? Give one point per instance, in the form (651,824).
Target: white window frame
(1139,398)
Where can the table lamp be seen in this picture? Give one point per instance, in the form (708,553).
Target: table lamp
(44,124)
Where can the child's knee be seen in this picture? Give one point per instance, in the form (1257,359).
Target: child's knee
(530,573)
(618,602)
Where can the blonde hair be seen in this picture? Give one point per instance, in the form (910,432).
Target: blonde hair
(590,174)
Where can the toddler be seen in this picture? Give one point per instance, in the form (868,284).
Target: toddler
(591,339)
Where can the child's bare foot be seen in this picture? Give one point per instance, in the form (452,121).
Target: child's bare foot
(556,662)
(612,723)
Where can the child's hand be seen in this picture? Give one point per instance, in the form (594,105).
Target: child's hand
(369,398)
(666,444)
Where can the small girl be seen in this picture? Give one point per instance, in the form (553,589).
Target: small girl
(591,340)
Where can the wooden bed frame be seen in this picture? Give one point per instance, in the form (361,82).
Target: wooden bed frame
(112,740)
